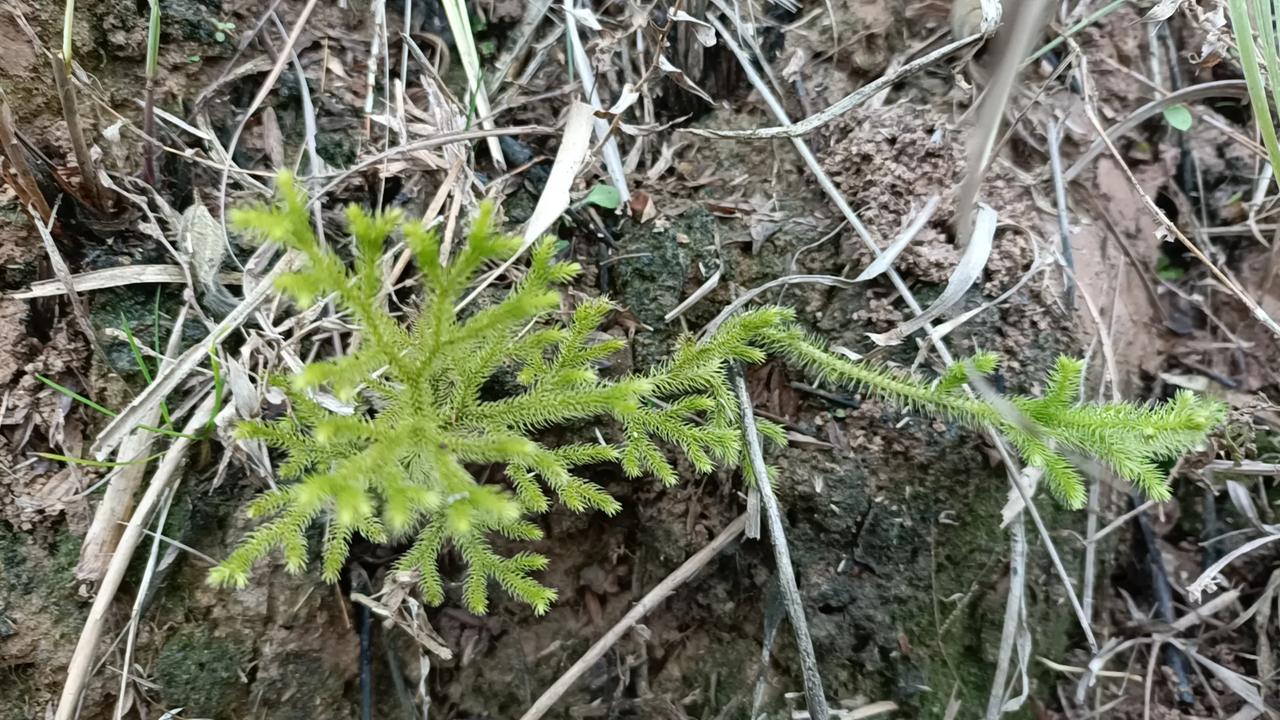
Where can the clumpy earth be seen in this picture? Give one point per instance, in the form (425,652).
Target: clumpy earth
(893,519)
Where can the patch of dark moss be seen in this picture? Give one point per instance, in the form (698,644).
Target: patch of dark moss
(658,267)
(19,686)
(33,570)
(202,673)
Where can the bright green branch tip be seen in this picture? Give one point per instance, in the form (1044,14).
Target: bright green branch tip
(396,470)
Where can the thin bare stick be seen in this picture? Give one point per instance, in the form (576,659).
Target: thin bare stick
(1203,91)
(680,576)
(844,104)
(1014,613)
(814,697)
(1172,228)
(1060,200)
(93,191)
(148,574)
(438,140)
(263,90)
(1120,521)
(63,274)
(166,475)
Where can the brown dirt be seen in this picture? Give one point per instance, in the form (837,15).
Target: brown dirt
(893,519)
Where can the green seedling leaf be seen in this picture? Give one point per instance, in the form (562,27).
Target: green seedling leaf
(142,366)
(605,196)
(76,396)
(1178,117)
(1167,271)
(216,367)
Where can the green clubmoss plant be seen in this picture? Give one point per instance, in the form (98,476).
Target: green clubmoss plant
(401,466)
(406,465)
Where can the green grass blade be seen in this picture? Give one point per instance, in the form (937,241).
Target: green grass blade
(1263,11)
(75,396)
(142,366)
(153,39)
(68,25)
(218,388)
(87,462)
(1242,28)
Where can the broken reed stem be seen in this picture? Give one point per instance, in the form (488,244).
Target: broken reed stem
(1014,613)
(655,596)
(166,475)
(814,696)
(109,519)
(18,175)
(93,192)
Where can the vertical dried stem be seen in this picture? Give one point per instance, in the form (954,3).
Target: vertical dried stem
(18,175)
(814,696)
(93,192)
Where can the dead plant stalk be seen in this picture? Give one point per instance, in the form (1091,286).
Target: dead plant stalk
(167,475)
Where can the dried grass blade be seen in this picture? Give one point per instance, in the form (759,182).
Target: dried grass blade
(460,24)
(891,253)
(575,145)
(1017,45)
(967,272)
(612,157)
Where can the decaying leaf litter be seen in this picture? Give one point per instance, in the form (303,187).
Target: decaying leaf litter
(895,523)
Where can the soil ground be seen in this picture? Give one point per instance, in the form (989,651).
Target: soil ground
(894,520)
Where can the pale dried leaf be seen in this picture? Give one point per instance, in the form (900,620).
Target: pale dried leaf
(891,253)
(967,272)
(117,277)
(587,17)
(626,99)
(575,145)
(678,77)
(705,34)
(1243,501)
(1234,681)
(1162,11)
